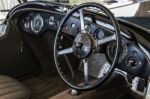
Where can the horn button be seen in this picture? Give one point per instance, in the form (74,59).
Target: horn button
(82,45)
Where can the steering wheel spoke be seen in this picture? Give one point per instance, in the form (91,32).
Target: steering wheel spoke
(82,21)
(106,40)
(86,77)
(65,51)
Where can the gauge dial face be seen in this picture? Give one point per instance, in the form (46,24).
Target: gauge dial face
(27,24)
(99,34)
(37,23)
(112,48)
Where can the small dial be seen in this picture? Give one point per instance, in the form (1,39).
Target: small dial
(51,20)
(37,23)
(99,34)
(27,24)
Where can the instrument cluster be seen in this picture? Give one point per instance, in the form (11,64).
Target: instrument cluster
(37,23)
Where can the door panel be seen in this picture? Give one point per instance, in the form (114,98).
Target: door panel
(16,59)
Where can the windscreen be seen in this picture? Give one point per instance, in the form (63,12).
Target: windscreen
(5,6)
(135,11)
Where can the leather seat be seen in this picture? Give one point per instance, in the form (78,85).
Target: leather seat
(12,89)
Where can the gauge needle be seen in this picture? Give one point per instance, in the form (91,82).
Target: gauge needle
(37,23)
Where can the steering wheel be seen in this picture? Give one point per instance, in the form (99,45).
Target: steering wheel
(84,44)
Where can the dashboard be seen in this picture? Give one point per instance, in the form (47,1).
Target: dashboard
(131,59)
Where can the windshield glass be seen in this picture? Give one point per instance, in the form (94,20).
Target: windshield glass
(5,6)
(135,11)
(118,7)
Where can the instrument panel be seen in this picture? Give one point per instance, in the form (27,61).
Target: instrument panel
(36,23)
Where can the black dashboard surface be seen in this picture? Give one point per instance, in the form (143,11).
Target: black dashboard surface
(142,21)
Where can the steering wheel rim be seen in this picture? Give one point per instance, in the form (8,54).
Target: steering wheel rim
(101,81)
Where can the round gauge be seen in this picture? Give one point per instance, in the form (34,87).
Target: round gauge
(112,48)
(26,22)
(51,20)
(99,34)
(37,23)
(27,25)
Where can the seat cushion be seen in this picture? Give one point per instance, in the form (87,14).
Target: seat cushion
(12,89)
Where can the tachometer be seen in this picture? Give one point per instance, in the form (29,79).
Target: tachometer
(111,50)
(37,23)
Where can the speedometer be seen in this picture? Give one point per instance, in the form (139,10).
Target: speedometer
(112,48)
(37,23)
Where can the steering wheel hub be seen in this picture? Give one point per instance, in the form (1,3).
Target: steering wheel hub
(82,45)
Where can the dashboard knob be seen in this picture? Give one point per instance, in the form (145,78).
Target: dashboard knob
(132,62)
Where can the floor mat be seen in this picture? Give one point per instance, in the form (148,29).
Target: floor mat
(114,93)
(43,86)
(114,88)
